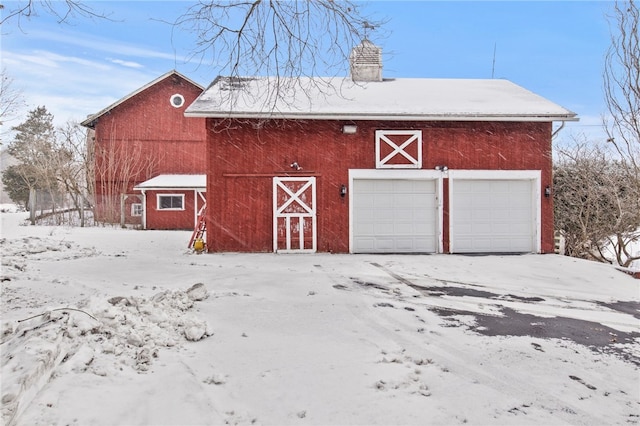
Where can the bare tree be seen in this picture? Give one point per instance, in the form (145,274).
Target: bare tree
(594,205)
(281,39)
(34,148)
(63,10)
(622,87)
(74,160)
(119,165)
(10,97)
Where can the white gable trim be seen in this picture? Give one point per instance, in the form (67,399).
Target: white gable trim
(89,122)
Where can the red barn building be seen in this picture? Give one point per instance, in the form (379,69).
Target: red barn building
(144,140)
(372,165)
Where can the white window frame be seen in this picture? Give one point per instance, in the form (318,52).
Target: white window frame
(413,136)
(176,96)
(158,202)
(136,209)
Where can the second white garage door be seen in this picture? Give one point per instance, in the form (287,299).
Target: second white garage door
(492,216)
(394,216)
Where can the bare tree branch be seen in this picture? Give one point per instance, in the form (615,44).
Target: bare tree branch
(595,204)
(63,10)
(10,98)
(281,39)
(622,86)
(118,164)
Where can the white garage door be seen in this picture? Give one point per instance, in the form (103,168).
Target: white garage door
(394,216)
(492,216)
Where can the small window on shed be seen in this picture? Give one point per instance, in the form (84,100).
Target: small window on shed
(136,209)
(177,100)
(170,201)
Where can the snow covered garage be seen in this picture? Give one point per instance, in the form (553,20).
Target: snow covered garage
(372,165)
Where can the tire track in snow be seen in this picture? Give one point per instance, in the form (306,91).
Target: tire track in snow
(454,358)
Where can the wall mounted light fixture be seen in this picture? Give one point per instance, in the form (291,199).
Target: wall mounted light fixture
(343,191)
(349,129)
(547,191)
(296,166)
(442,168)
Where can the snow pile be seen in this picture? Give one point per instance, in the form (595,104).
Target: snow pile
(102,337)
(17,253)
(10,208)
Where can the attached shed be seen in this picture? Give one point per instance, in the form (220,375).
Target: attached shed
(382,166)
(172,201)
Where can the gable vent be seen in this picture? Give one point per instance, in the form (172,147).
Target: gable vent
(366,62)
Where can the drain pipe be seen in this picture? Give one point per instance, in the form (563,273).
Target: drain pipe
(554,134)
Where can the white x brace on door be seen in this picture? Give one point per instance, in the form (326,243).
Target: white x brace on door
(294,214)
(398,149)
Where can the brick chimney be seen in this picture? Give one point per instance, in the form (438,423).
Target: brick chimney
(366,62)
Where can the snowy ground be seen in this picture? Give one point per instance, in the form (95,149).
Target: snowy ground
(307,339)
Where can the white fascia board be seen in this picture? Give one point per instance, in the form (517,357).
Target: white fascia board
(380,117)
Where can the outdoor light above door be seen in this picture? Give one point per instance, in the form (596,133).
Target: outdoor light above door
(349,129)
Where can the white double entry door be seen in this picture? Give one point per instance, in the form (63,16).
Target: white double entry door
(294,214)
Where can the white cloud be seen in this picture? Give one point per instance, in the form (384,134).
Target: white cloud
(74,72)
(103,45)
(129,64)
(46,60)
(69,86)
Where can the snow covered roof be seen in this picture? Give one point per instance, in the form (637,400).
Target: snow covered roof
(390,99)
(174,182)
(90,121)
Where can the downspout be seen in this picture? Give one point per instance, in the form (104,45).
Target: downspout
(144,209)
(554,134)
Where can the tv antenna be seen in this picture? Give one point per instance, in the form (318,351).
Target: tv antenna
(493,66)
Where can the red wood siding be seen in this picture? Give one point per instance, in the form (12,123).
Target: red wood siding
(146,136)
(171,219)
(244,159)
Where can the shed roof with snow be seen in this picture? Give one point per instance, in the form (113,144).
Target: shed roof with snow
(389,99)
(174,182)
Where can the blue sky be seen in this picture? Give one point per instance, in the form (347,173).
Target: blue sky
(552,48)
